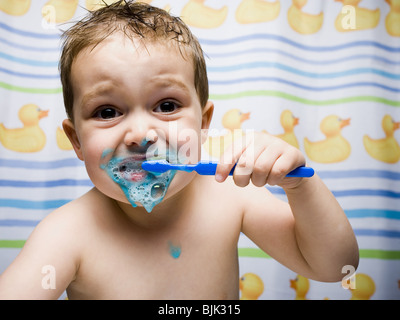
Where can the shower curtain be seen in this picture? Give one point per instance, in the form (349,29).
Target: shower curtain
(322,74)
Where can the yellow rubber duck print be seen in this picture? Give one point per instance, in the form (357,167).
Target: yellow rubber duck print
(301,285)
(302,22)
(58,11)
(335,147)
(251,286)
(196,14)
(29,138)
(386,149)
(62,140)
(392,21)
(15,7)
(364,18)
(232,121)
(364,287)
(288,122)
(256,11)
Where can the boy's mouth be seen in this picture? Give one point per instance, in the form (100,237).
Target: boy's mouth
(131,170)
(139,186)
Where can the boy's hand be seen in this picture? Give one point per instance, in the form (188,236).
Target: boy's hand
(261,158)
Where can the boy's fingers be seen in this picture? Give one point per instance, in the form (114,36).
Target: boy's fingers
(229,158)
(262,168)
(244,169)
(282,167)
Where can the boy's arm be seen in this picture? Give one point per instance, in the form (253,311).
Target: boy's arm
(45,266)
(323,232)
(310,234)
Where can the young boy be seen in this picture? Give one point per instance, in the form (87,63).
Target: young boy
(135,87)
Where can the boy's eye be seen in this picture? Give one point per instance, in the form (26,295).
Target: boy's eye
(107,113)
(166,107)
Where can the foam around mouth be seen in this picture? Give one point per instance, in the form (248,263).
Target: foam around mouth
(138,185)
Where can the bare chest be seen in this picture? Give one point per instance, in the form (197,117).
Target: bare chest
(199,262)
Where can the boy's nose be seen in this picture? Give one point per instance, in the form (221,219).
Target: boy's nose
(139,132)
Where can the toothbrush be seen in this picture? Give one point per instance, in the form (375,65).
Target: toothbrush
(209,168)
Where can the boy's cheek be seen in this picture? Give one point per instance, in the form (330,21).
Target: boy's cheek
(189,151)
(184,141)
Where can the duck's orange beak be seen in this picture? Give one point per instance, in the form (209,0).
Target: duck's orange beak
(43,113)
(244,116)
(345,122)
(295,121)
(396,125)
(293,284)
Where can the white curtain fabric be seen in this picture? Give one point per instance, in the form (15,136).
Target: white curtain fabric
(324,75)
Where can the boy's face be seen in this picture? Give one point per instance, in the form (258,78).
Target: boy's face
(132,102)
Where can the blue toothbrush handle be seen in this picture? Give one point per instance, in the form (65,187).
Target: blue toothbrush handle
(209,168)
(301,172)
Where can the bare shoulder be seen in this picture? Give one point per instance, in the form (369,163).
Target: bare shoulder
(64,230)
(261,212)
(73,216)
(263,217)
(242,194)
(222,190)
(244,198)
(54,246)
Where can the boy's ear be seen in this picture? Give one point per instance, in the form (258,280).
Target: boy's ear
(70,131)
(207,111)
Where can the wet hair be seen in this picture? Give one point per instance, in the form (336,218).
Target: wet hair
(135,20)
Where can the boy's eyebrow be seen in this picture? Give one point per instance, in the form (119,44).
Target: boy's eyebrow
(98,90)
(168,81)
(105,88)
